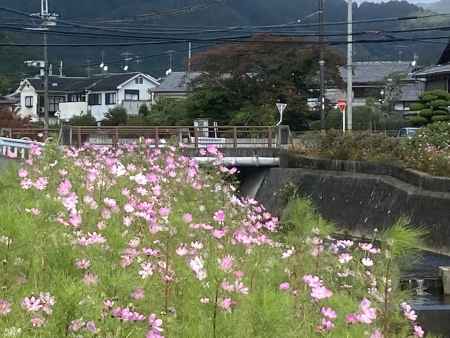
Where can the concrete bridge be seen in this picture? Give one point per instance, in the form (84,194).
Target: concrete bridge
(254,146)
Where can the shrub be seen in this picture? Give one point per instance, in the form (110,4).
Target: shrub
(144,111)
(433,107)
(9,119)
(429,151)
(359,146)
(83,120)
(116,117)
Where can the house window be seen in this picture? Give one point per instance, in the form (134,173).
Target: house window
(77,98)
(110,99)
(29,101)
(139,80)
(131,95)
(53,103)
(94,99)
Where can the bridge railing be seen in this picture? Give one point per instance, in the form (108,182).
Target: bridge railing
(193,137)
(16,148)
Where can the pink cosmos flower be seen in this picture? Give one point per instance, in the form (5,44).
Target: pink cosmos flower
(366,314)
(367,262)
(226,304)
(76,325)
(219,233)
(90,327)
(326,325)
(37,321)
(226,263)
(41,183)
(328,313)
(212,149)
(187,218)
(284,286)
(345,258)
(138,294)
(64,188)
(128,208)
(5,307)
(197,265)
(23,173)
(26,184)
(90,279)
(83,264)
(377,334)
(164,212)
(321,292)
(182,250)
(219,216)
(418,331)
(408,312)
(31,304)
(155,329)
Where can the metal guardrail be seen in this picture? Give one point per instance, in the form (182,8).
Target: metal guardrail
(193,137)
(16,148)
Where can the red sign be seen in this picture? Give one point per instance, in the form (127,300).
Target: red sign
(342,105)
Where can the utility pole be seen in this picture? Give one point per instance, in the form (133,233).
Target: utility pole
(88,67)
(47,20)
(46,117)
(322,66)
(189,57)
(350,66)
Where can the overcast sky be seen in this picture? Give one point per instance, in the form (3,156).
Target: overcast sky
(411,1)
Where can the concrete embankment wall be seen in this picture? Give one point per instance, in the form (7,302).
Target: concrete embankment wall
(361,196)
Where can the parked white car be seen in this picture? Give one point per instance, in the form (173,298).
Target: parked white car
(407,132)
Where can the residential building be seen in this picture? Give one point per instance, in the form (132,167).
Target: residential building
(370,78)
(436,76)
(176,85)
(72,96)
(8,103)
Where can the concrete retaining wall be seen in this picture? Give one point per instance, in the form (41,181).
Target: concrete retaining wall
(362,202)
(418,179)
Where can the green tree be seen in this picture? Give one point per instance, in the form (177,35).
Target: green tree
(169,112)
(432,107)
(257,74)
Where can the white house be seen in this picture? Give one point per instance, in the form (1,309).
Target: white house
(72,96)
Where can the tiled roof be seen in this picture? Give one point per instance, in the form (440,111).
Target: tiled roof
(110,81)
(376,71)
(102,82)
(177,82)
(432,70)
(8,100)
(62,84)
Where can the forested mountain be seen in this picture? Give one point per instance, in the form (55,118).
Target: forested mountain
(441,6)
(146,13)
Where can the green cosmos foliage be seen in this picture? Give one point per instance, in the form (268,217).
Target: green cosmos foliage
(142,242)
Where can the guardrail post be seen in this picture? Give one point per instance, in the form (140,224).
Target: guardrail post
(235,140)
(196,137)
(270,138)
(157,137)
(116,136)
(79,136)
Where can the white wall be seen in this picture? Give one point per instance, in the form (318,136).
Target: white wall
(71,109)
(32,112)
(144,90)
